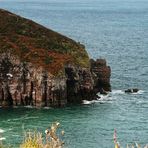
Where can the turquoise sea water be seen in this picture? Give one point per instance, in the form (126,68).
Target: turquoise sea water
(113,29)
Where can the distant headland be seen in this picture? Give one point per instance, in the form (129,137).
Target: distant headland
(41,67)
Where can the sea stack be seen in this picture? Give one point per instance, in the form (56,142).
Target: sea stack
(41,67)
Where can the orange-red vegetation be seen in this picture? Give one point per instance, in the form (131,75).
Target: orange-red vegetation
(34,43)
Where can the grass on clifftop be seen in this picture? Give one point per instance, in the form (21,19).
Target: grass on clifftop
(36,44)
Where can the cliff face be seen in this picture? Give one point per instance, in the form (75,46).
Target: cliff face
(43,68)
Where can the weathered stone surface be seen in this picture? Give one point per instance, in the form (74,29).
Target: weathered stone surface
(84,83)
(23,84)
(101,74)
(79,84)
(41,67)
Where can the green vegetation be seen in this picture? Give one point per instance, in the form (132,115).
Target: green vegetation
(37,140)
(52,140)
(22,37)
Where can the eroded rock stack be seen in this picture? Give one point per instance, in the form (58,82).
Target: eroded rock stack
(84,83)
(79,84)
(101,74)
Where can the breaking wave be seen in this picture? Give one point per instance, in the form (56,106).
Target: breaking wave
(2,131)
(109,97)
(22,118)
(139,92)
(101,99)
(2,138)
(114,92)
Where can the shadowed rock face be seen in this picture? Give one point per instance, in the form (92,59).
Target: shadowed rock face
(85,83)
(54,73)
(101,74)
(79,84)
(23,84)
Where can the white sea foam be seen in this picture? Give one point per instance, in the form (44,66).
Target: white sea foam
(1,131)
(105,98)
(2,138)
(117,92)
(10,129)
(86,102)
(26,118)
(139,92)
(114,92)
(46,107)
(22,118)
(102,99)
(29,106)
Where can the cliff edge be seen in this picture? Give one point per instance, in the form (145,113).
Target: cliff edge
(41,67)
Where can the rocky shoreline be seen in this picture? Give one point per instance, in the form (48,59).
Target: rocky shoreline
(40,67)
(22,84)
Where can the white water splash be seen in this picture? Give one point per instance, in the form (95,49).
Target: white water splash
(2,138)
(46,107)
(120,92)
(102,99)
(139,92)
(29,106)
(23,118)
(86,102)
(1,131)
(105,98)
(117,92)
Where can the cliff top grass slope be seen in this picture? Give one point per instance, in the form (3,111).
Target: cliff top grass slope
(41,46)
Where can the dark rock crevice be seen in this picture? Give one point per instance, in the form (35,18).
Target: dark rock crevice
(23,84)
(85,83)
(41,67)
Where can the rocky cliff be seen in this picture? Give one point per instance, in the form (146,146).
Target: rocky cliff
(41,67)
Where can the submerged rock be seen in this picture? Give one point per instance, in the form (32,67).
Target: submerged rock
(40,67)
(133,90)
